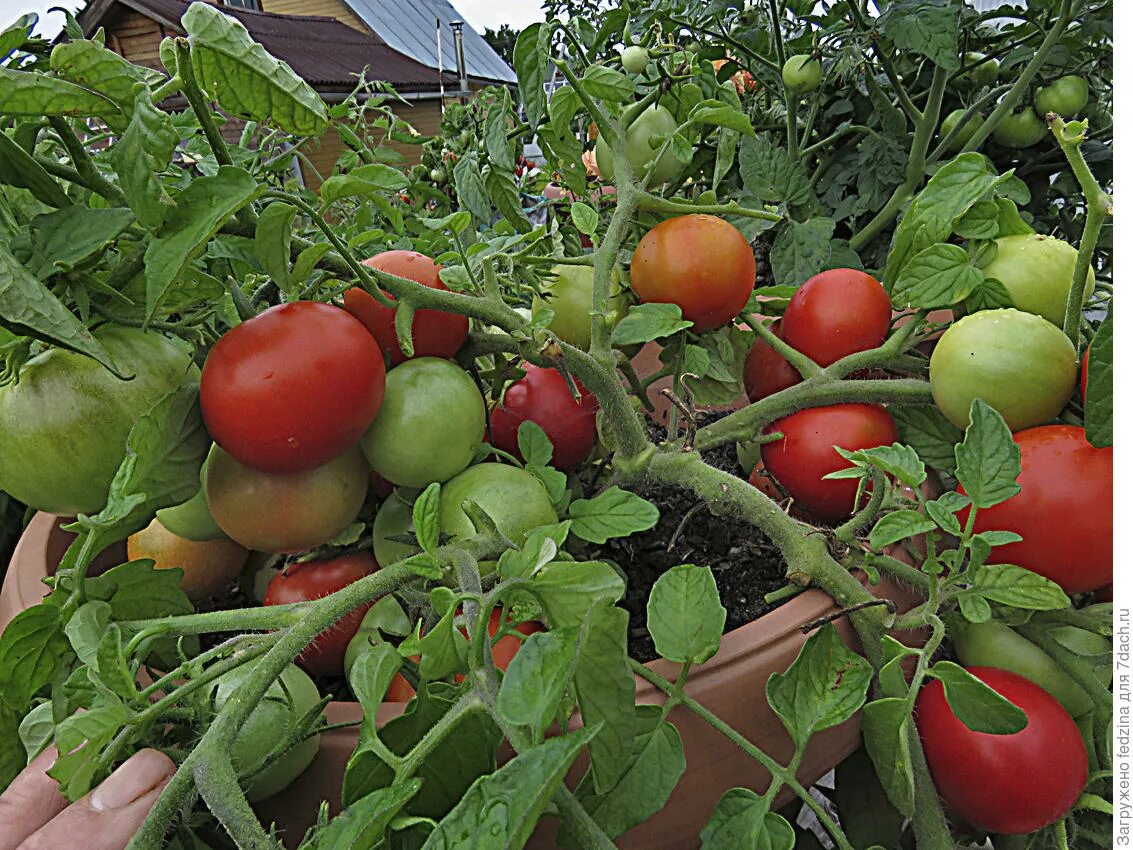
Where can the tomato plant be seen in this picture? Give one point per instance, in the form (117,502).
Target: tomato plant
(1059,468)
(643,147)
(701,263)
(66,420)
(805,455)
(1067,96)
(285,511)
(429,426)
(301,582)
(264,749)
(836,313)
(1037,272)
(435,333)
(515,499)
(765,370)
(802,73)
(1017,362)
(1011,784)
(293,387)
(208,566)
(543,397)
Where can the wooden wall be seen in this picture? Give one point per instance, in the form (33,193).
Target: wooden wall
(325,8)
(136,37)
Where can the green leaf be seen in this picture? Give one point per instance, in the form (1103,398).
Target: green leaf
(137,590)
(537,678)
(1021,588)
(370,678)
(81,738)
(647,322)
(613,513)
(719,114)
(684,614)
(18,168)
(726,147)
(1009,222)
(442,649)
(976,705)
(866,815)
(606,83)
(944,514)
(771,174)
(504,192)
(823,687)
(236,72)
(32,647)
(605,688)
(63,239)
(28,308)
(974,607)
(138,158)
(273,243)
(886,730)
(427,517)
(938,276)
(981,221)
(567,590)
(362,825)
(530,58)
(36,730)
(93,66)
(534,444)
(927,27)
(85,629)
(932,436)
(584,217)
(896,460)
(899,525)
(1099,388)
(307,260)
(31,93)
(471,188)
(891,676)
(362,180)
(987,461)
(801,250)
(736,822)
(201,209)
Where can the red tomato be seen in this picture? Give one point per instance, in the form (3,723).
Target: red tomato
(314,580)
(700,263)
(806,453)
(435,332)
(835,313)
(293,387)
(1009,784)
(544,397)
(1085,373)
(1063,510)
(765,371)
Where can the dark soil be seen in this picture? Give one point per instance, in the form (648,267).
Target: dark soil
(745,563)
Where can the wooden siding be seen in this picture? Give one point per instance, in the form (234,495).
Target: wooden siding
(325,8)
(136,37)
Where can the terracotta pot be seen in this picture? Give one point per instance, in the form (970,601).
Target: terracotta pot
(731,685)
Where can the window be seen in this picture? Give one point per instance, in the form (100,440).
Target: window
(254,5)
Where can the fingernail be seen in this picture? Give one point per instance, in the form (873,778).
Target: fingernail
(134,779)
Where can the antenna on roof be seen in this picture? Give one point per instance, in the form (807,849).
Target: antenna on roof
(440,67)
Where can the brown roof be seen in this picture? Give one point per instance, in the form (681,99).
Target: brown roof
(325,52)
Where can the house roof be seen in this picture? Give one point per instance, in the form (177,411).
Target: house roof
(411,27)
(325,52)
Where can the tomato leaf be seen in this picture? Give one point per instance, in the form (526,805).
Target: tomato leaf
(81,739)
(442,649)
(974,607)
(647,322)
(530,58)
(65,238)
(801,250)
(362,180)
(427,517)
(1019,587)
(370,678)
(567,590)
(137,590)
(976,705)
(771,174)
(273,242)
(93,66)
(943,512)
(719,114)
(896,460)
(613,513)
(924,27)
(36,731)
(534,444)
(19,168)
(32,647)
(823,687)
(899,525)
(85,629)
(886,730)
(607,84)
(536,679)
(30,93)
(866,815)
(938,276)
(891,676)
(684,614)
(139,157)
(1099,387)
(934,438)
(737,821)
(987,461)
(363,824)
(584,217)
(980,222)
(508,803)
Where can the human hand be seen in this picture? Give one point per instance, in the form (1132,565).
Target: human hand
(35,816)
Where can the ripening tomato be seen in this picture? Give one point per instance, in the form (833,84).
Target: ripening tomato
(835,313)
(435,332)
(699,262)
(1060,472)
(325,655)
(543,397)
(765,370)
(293,387)
(1010,784)
(805,454)
(515,500)
(207,566)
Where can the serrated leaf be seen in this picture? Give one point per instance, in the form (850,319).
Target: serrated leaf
(987,461)
(567,590)
(899,525)
(613,513)
(719,114)
(32,647)
(980,222)
(1008,584)
(534,444)
(373,177)
(974,607)
(31,93)
(647,322)
(932,436)
(770,174)
(938,276)
(944,515)
(928,28)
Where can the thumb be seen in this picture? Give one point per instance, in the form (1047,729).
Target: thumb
(108,816)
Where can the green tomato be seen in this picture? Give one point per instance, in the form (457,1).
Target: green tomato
(515,499)
(65,422)
(982,75)
(951,121)
(571,295)
(192,519)
(1017,362)
(393,519)
(634,59)
(995,644)
(1020,129)
(429,425)
(1066,96)
(274,722)
(1038,272)
(802,73)
(656,120)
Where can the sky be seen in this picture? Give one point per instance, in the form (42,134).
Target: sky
(479,13)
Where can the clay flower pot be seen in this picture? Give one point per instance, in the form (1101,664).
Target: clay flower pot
(732,685)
